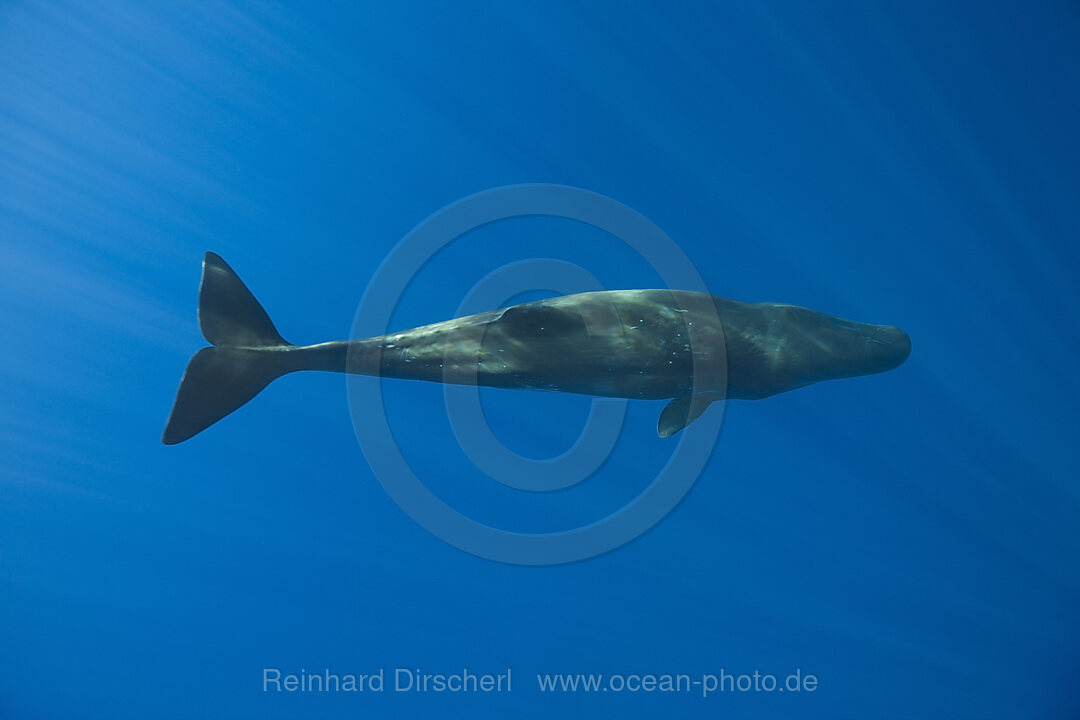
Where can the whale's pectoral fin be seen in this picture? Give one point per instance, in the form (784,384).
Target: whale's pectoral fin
(680,412)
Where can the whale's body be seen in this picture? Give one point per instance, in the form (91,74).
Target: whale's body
(689,347)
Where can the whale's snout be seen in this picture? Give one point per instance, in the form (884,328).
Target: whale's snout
(889,347)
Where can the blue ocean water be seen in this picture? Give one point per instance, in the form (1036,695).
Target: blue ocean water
(909,539)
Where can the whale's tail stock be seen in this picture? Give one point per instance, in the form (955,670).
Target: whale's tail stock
(247,354)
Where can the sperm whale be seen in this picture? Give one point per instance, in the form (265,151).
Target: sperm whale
(687,347)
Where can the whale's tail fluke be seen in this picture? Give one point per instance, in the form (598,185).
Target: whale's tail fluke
(248,354)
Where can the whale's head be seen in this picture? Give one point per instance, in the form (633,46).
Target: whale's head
(824,347)
(787,347)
